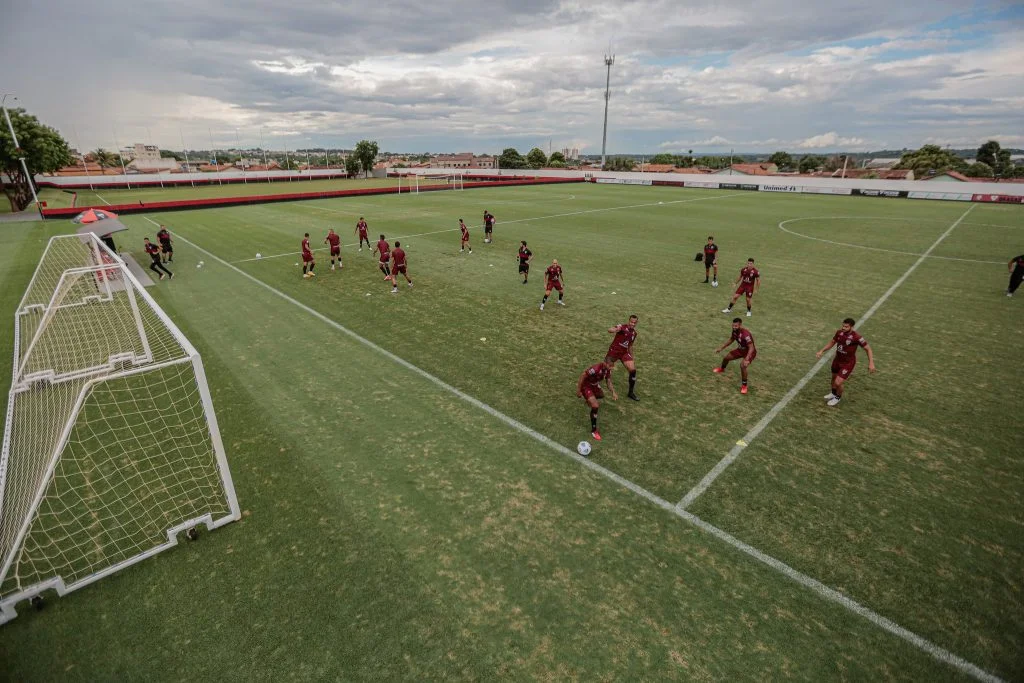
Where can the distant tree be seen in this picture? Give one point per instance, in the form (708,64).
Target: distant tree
(168,154)
(979,170)
(556,156)
(783,160)
(536,158)
(352,165)
(664,158)
(366,151)
(43,148)
(556,163)
(511,158)
(810,163)
(836,162)
(989,154)
(105,158)
(620,164)
(931,160)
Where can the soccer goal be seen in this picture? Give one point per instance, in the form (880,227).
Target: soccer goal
(111,447)
(432,182)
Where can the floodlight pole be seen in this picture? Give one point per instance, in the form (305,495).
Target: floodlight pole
(184,150)
(608,61)
(245,180)
(214,150)
(82,154)
(14,139)
(266,164)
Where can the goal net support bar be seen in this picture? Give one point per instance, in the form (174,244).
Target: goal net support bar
(432,182)
(111,446)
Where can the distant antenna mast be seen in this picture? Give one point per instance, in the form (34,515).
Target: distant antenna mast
(608,61)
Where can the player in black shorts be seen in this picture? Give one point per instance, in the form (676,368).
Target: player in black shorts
(524,260)
(154,254)
(711,260)
(488,227)
(1016,265)
(166,248)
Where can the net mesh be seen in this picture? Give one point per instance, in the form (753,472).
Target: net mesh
(102,378)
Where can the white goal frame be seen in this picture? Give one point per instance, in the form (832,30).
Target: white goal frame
(95,279)
(454,181)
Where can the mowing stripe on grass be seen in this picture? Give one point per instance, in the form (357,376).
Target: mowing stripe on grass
(821,589)
(756,430)
(527,220)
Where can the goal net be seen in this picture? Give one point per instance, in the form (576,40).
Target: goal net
(432,182)
(111,446)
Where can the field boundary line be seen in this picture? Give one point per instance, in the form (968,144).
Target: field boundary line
(782,227)
(829,594)
(525,220)
(768,417)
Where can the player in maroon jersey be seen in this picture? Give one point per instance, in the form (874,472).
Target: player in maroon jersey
(154,254)
(334,239)
(383,249)
(1016,266)
(749,282)
(745,350)
(361,231)
(553,279)
(398,266)
(465,237)
(711,260)
(525,256)
(589,389)
(621,349)
(308,262)
(846,341)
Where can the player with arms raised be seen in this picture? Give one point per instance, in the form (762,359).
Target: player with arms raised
(334,239)
(525,256)
(308,262)
(749,282)
(846,340)
(745,350)
(621,349)
(553,280)
(398,266)
(589,389)
(362,231)
(711,260)
(383,249)
(465,237)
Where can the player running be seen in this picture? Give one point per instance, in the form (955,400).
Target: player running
(154,253)
(621,349)
(589,389)
(488,226)
(1016,266)
(711,260)
(745,350)
(525,256)
(383,249)
(334,239)
(553,280)
(361,231)
(846,341)
(465,237)
(749,282)
(308,262)
(163,236)
(398,266)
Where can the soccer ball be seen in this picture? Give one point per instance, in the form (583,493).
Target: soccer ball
(583,448)
(259,255)
(714,283)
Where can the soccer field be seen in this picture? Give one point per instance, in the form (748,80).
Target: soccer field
(411,510)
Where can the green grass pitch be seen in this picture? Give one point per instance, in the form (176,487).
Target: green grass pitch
(392,530)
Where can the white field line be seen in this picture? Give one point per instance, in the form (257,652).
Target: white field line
(782,226)
(995,225)
(525,220)
(829,594)
(101,198)
(756,430)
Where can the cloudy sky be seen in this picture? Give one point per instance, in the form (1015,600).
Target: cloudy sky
(453,75)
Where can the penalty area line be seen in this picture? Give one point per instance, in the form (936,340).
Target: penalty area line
(829,594)
(767,419)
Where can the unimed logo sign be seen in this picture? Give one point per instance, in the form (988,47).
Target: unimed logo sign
(779,188)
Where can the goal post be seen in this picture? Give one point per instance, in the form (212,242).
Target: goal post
(111,446)
(432,182)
